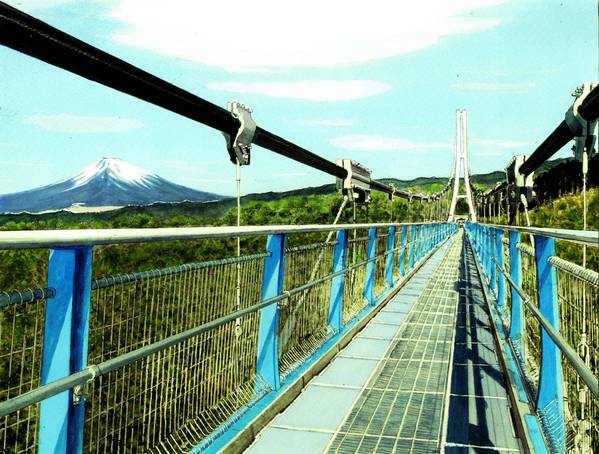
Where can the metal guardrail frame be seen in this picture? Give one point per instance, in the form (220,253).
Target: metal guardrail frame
(77,252)
(488,240)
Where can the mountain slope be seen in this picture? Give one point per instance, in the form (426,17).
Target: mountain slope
(107,182)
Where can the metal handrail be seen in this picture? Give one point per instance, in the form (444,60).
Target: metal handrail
(588,237)
(30,239)
(93,371)
(25,297)
(584,372)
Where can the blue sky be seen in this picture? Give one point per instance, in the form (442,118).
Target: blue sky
(377,81)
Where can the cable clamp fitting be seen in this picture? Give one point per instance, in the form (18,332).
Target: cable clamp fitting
(239,147)
(585,136)
(80,392)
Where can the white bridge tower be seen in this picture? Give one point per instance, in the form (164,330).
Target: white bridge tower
(461,162)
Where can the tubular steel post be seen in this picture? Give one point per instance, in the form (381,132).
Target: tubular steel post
(336,303)
(66,330)
(272,285)
(488,249)
(492,256)
(517,314)
(550,401)
(390,257)
(501,277)
(402,251)
(370,267)
(413,234)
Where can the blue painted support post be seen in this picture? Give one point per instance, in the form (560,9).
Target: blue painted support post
(402,251)
(550,399)
(66,331)
(390,257)
(272,285)
(337,284)
(517,313)
(488,243)
(419,239)
(492,258)
(501,277)
(413,234)
(370,267)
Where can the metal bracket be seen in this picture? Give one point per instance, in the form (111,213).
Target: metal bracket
(518,184)
(80,393)
(356,184)
(583,130)
(239,147)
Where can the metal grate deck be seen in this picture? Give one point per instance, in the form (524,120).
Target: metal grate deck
(478,416)
(401,408)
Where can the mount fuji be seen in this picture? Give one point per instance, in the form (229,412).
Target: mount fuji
(107,183)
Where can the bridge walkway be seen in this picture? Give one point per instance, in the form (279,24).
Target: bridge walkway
(421,377)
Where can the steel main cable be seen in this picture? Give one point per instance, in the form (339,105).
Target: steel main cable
(31,36)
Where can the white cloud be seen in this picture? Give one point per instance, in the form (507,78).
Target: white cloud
(312,90)
(10,164)
(76,124)
(500,143)
(487,153)
(179,164)
(312,33)
(365,142)
(495,87)
(331,122)
(289,174)
(208,180)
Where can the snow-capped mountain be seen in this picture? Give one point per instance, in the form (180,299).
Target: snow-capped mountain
(108,182)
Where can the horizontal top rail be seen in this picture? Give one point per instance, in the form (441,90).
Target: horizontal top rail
(30,239)
(583,371)
(588,237)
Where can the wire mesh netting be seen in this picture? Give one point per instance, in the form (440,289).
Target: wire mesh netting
(531,345)
(303,322)
(21,340)
(172,399)
(353,289)
(381,258)
(506,315)
(580,327)
(397,253)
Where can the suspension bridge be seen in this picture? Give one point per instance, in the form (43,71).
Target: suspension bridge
(446,335)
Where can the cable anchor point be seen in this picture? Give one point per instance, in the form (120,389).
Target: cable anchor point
(240,146)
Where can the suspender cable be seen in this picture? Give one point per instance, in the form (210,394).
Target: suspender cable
(37,39)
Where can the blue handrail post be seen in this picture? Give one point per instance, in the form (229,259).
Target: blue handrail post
(517,313)
(272,285)
(390,257)
(402,251)
(370,267)
(492,256)
(339,262)
(488,244)
(66,331)
(501,277)
(550,399)
(413,233)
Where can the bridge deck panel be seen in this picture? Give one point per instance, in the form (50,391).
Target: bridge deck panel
(387,390)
